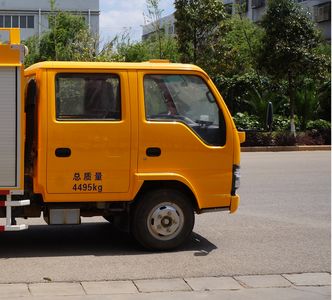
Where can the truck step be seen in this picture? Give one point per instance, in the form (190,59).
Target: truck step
(15,203)
(14,227)
(9,203)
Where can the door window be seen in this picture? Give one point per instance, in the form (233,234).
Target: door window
(88,96)
(187,99)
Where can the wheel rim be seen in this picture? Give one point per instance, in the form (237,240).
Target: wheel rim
(165,221)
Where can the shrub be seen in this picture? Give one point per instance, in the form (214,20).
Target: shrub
(320,130)
(282,123)
(284,139)
(305,138)
(322,137)
(319,125)
(244,121)
(258,139)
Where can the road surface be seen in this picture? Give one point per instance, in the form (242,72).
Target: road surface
(282,226)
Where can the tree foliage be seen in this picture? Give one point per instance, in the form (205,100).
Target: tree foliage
(200,31)
(69,39)
(291,42)
(157,45)
(126,50)
(154,15)
(290,48)
(239,80)
(284,60)
(65,37)
(242,41)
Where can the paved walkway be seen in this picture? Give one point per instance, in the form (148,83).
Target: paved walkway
(306,286)
(287,148)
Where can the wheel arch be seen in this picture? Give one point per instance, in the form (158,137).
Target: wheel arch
(149,185)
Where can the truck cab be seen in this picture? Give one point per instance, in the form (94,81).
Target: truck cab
(145,145)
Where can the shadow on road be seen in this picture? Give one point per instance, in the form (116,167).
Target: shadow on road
(98,239)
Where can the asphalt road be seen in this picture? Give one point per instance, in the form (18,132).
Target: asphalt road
(282,226)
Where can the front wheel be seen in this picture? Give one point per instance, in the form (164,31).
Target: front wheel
(162,219)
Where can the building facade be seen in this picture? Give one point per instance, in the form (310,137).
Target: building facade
(320,11)
(167,24)
(32,16)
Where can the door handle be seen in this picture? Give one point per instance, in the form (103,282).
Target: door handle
(62,152)
(153,151)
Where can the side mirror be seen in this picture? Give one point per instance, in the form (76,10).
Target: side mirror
(269,116)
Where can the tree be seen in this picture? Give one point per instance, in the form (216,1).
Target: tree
(290,48)
(242,41)
(157,45)
(306,101)
(238,79)
(154,16)
(64,32)
(324,100)
(126,50)
(199,31)
(68,39)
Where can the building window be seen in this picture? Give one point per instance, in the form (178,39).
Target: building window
(31,22)
(229,8)
(8,21)
(17,21)
(257,3)
(242,5)
(171,29)
(23,21)
(322,12)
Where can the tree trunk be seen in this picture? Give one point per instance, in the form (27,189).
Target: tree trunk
(291,96)
(159,40)
(194,50)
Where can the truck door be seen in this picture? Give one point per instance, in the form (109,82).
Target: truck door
(184,132)
(88,147)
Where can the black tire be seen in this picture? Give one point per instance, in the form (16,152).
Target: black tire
(162,219)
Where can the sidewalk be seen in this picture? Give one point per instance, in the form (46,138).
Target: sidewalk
(306,286)
(287,148)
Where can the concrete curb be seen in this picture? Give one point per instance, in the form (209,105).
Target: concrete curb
(141,287)
(287,148)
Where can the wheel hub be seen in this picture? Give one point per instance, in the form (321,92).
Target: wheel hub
(165,220)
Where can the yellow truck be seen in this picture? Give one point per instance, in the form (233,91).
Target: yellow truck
(144,145)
